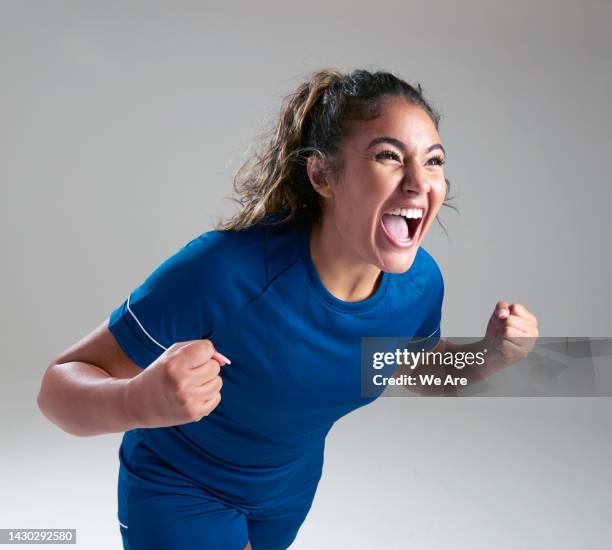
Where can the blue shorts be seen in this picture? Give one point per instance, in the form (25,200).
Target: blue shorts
(161,509)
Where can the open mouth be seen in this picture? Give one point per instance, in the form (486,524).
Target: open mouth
(402,225)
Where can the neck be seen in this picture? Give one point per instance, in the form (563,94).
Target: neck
(342,272)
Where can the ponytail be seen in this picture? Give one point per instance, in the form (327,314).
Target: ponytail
(313,120)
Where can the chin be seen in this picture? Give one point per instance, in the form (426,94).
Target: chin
(398,263)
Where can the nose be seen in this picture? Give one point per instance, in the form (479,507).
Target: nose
(416,180)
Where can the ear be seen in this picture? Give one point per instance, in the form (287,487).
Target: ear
(318,176)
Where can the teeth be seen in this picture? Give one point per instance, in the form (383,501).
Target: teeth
(407,212)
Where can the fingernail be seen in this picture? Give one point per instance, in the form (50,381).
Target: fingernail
(227,361)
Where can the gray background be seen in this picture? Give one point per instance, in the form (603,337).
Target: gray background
(121,125)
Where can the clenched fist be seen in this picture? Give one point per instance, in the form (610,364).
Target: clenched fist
(512,330)
(183,385)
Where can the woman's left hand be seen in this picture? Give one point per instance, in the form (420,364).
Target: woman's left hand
(512,330)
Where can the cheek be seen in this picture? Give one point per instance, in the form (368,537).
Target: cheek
(438,192)
(354,204)
(354,218)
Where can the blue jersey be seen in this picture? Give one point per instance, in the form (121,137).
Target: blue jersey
(294,347)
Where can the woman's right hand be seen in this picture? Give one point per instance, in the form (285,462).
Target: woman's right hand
(182,385)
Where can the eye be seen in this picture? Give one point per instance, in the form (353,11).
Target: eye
(388,154)
(439,160)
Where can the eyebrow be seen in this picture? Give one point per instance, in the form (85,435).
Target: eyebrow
(400,144)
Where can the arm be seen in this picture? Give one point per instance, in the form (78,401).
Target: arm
(135,369)
(510,336)
(83,399)
(493,363)
(85,390)
(183,385)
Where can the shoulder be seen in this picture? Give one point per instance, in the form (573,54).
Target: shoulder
(220,258)
(247,260)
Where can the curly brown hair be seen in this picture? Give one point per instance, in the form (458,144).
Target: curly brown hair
(273,185)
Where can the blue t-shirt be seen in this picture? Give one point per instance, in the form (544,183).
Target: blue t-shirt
(294,347)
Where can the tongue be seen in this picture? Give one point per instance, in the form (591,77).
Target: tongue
(396,226)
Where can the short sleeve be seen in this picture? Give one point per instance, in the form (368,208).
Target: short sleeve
(167,307)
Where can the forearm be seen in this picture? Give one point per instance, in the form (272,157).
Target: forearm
(84,400)
(472,373)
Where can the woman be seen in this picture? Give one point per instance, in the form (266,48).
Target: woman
(325,249)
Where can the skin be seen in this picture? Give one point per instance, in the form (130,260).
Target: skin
(350,251)
(348,247)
